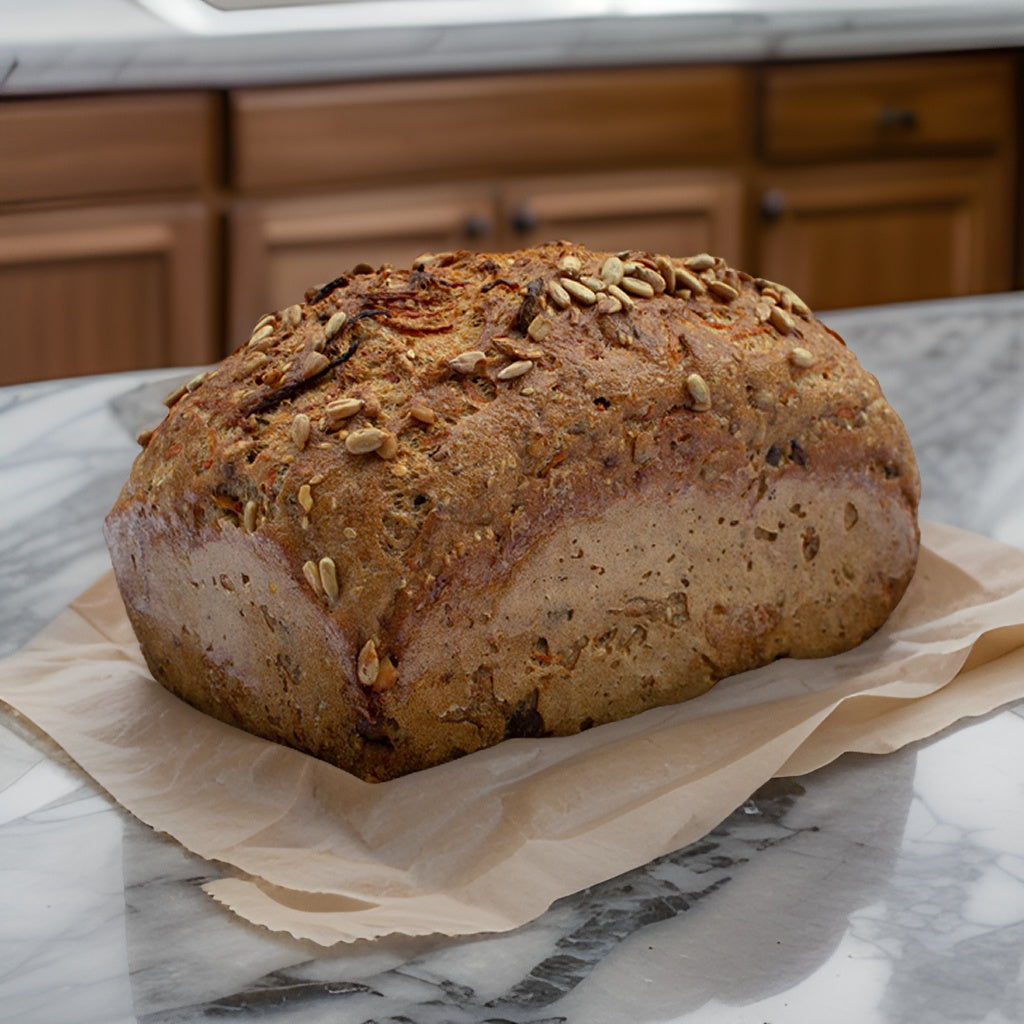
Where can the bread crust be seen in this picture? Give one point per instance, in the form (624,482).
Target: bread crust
(492,496)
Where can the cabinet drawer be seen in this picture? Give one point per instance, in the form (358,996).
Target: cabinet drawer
(886,107)
(487,126)
(95,146)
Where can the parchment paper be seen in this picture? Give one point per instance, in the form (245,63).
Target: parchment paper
(488,842)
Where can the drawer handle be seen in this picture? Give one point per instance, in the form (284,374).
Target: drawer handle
(898,119)
(476,225)
(773,205)
(524,220)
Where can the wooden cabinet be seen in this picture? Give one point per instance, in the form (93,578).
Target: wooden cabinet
(108,239)
(888,181)
(153,229)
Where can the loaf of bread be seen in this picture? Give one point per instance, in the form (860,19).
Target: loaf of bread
(510,495)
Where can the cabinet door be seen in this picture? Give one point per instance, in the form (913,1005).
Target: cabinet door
(282,248)
(676,213)
(103,290)
(861,234)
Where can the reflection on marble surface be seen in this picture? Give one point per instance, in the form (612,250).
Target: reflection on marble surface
(883,890)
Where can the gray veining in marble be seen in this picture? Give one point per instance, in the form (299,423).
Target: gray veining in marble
(874,891)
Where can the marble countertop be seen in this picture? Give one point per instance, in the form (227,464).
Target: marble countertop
(73,45)
(878,890)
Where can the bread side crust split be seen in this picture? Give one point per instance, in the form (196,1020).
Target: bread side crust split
(547,550)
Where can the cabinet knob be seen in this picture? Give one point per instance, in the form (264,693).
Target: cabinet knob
(773,204)
(476,225)
(896,119)
(524,220)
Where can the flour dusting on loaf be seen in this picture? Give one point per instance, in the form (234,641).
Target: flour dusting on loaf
(508,495)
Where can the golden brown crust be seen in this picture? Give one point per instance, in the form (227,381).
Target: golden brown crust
(511,494)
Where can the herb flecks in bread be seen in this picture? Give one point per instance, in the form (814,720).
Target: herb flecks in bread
(511,494)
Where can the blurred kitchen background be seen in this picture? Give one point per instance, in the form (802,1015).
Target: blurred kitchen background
(172,169)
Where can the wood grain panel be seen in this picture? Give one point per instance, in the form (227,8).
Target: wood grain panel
(500,125)
(59,148)
(888,107)
(100,290)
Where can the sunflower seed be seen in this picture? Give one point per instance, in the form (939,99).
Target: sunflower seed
(608,304)
(388,447)
(699,391)
(386,676)
(423,414)
(329,577)
(254,362)
(368,664)
(539,329)
(306,497)
(569,265)
(516,369)
(801,357)
(702,261)
(335,324)
(312,363)
(467,362)
(312,574)
(667,270)
(797,304)
(684,279)
(558,295)
(617,293)
(580,292)
(651,277)
(341,409)
(595,284)
(249,516)
(292,317)
(781,320)
(722,290)
(634,286)
(300,429)
(261,335)
(362,442)
(611,270)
